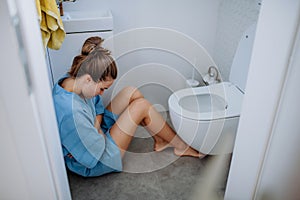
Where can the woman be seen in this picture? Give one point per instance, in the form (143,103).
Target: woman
(94,139)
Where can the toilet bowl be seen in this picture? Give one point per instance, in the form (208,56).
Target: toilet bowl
(207,117)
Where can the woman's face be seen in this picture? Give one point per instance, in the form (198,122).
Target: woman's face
(92,88)
(103,85)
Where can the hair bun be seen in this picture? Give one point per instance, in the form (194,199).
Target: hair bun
(90,44)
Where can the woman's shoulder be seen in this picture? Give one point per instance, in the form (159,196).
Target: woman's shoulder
(60,95)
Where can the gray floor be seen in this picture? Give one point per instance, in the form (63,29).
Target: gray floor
(150,175)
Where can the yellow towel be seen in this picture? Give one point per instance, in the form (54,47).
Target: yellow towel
(51,25)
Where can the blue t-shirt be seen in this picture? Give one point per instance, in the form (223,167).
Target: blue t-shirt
(93,154)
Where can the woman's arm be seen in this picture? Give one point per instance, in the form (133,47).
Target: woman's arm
(97,124)
(99,113)
(75,128)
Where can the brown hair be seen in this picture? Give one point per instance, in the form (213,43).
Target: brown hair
(95,61)
(90,44)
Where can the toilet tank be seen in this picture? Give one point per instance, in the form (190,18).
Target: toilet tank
(240,65)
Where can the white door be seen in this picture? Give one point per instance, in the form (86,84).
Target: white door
(265,162)
(31,158)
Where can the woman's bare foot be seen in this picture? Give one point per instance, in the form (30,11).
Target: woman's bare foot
(188,152)
(160,144)
(160,147)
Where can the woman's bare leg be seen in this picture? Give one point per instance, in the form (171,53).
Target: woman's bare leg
(122,100)
(141,111)
(157,125)
(125,127)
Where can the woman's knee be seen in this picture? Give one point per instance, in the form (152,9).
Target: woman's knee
(142,108)
(140,105)
(132,93)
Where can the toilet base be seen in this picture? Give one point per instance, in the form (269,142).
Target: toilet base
(213,137)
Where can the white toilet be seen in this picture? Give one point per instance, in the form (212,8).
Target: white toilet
(207,117)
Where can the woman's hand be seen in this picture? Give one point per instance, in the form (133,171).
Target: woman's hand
(69,155)
(100,131)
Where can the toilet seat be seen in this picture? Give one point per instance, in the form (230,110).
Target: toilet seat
(228,101)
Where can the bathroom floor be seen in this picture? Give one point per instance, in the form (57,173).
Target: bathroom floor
(150,175)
